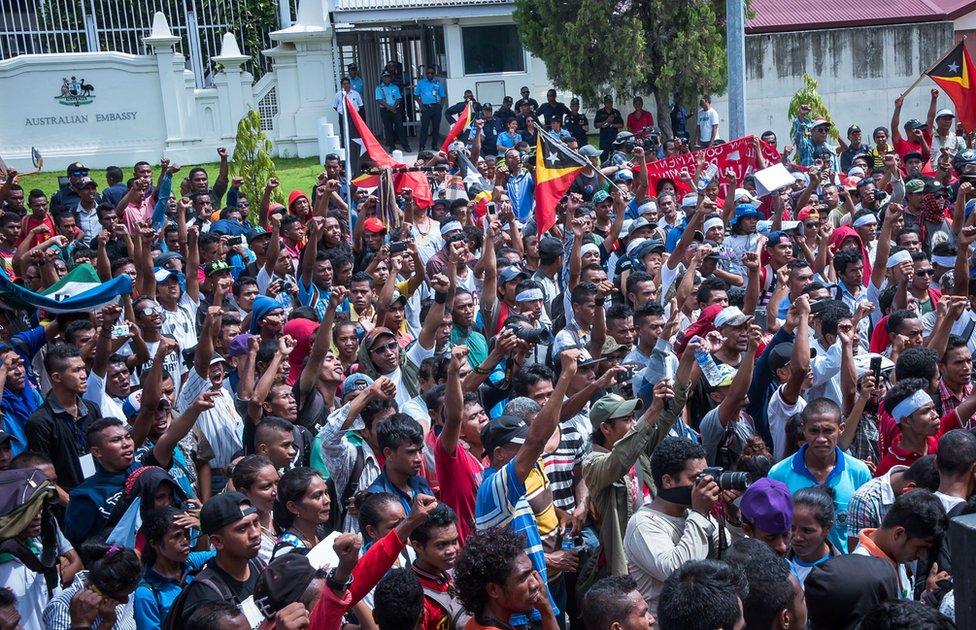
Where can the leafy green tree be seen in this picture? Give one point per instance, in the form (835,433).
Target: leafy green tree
(808,95)
(252,159)
(668,48)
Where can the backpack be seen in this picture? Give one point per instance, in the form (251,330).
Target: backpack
(207,578)
(457,616)
(23,494)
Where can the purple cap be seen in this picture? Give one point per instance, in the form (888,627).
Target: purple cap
(768,505)
(238,345)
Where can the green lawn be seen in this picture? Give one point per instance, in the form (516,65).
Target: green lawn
(292,173)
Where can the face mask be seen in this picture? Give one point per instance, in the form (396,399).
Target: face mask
(680,495)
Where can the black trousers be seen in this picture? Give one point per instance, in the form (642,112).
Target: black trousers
(393,129)
(431,118)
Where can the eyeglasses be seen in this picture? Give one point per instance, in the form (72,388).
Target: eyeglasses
(152,309)
(387,347)
(79,173)
(925,272)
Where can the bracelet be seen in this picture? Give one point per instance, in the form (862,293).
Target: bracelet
(440,297)
(335,585)
(480,370)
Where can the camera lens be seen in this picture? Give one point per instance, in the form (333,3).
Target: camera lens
(733,481)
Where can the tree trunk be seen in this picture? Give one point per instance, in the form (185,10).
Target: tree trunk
(663,102)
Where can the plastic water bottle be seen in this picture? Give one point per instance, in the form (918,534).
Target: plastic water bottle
(711,170)
(708,366)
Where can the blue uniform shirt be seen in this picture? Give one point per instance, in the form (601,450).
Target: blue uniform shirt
(356,83)
(389,94)
(430,92)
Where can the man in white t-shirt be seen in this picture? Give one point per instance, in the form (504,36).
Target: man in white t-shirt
(789,363)
(108,381)
(707,122)
(219,430)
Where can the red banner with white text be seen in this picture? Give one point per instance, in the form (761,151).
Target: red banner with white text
(738,155)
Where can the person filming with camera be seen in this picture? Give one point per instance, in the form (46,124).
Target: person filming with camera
(677,526)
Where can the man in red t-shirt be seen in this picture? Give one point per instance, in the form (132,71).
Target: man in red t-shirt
(919,424)
(640,118)
(40,215)
(913,141)
(458,453)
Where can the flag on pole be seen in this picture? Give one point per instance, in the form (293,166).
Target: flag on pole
(462,123)
(415,181)
(956,75)
(373,148)
(389,213)
(556,166)
(80,290)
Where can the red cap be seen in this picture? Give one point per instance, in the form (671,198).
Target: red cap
(374,225)
(807,213)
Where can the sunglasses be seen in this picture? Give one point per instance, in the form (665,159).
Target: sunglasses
(79,173)
(387,347)
(151,310)
(925,272)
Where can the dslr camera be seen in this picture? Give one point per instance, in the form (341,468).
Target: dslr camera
(727,479)
(535,336)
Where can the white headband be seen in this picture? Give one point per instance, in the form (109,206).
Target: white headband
(944,261)
(898,258)
(867,219)
(589,247)
(910,405)
(713,223)
(529,294)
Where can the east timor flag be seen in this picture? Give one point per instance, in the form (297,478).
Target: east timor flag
(556,166)
(462,123)
(956,75)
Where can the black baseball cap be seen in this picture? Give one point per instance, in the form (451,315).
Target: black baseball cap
(76,166)
(503,430)
(550,247)
(224,509)
(840,591)
(282,582)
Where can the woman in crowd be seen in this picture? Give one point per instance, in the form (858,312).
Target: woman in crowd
(301,510)
(813,518)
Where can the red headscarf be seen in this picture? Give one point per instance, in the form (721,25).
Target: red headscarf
(303,332)
(701,327)
(844,232)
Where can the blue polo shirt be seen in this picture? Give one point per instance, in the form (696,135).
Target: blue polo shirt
(430,92)
(847,476)
(389,94)
(418,485)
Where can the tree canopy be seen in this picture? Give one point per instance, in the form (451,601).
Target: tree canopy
(663,47)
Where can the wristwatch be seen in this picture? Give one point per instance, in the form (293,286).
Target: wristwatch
(336,585)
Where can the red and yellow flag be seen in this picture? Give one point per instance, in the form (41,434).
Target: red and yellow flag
(556,167)
(462,123)
(956,75)
(415,180)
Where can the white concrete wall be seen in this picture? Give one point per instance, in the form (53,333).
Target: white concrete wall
(860,72)
(142,107)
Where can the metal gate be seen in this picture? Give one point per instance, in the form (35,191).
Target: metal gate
(411,47)
(57,26)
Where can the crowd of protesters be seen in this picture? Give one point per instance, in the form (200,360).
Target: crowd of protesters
(700,411)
